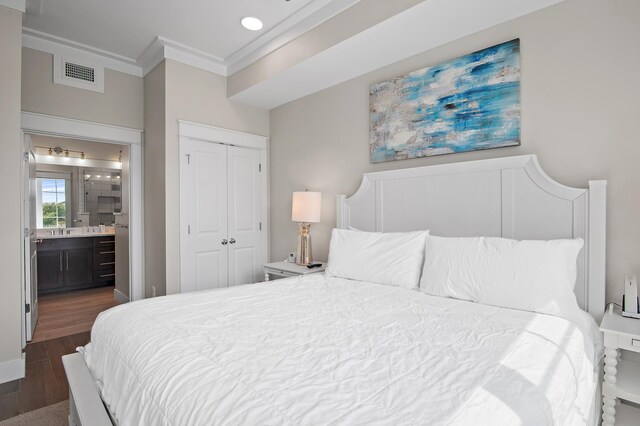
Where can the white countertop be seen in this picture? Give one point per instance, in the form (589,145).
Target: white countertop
(76,235)
(79,232)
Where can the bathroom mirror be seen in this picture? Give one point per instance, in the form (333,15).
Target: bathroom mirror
(78,182)
(73,196)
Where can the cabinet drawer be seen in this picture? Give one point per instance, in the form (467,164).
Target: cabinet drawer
(101,261)
(104,276)
(99,265)
(104,243)
(48,245)
(280,273)
(104,251)
(629,343)
(64,243)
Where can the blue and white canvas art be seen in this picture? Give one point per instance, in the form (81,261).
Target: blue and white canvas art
(466,104)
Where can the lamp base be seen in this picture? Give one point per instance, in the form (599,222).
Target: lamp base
(303,252)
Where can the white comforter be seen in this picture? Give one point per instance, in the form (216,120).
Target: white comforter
(321,350)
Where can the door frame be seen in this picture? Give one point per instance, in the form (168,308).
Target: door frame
(188,130)
(29,238)
(48,125)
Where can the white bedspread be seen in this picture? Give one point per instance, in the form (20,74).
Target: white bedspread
(318,350)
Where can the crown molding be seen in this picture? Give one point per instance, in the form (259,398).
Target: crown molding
(19,5)
(305,19)
(297,24)
(70,49)
(164,48)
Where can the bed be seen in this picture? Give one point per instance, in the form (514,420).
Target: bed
(326,350)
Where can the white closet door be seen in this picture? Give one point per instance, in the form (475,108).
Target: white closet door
(203,189)
(244,216)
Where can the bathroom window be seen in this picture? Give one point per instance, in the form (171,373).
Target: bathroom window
(53,199)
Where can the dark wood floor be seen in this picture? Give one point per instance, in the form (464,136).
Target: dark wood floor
(64,323)
(64,314)
(45,382)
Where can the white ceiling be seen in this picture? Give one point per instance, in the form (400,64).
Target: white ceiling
(208,28)
(133,36)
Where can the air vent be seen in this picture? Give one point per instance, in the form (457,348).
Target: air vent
(80,74)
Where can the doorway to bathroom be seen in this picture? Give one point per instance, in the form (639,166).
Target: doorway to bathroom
(81,205)
(81,212)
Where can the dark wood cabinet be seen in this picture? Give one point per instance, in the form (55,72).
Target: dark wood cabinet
(74,263)
(77,267)
(50,268)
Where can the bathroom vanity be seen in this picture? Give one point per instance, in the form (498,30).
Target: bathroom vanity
(77,261)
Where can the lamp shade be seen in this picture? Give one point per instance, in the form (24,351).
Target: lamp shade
(306,207)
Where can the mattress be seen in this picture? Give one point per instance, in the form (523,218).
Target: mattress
(323,350)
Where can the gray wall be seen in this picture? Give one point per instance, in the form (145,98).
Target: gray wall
(10,249)
(580,112)
(174,91)
(196,95)
(121,104)
(154,177)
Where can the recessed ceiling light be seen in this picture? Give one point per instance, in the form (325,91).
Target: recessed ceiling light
(251,23)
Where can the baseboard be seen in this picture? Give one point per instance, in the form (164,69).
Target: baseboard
(119,296)
(12,369)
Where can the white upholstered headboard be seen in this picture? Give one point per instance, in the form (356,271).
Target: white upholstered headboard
(507,197)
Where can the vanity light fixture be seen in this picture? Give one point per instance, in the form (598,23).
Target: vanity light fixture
(68,153)
(251,23)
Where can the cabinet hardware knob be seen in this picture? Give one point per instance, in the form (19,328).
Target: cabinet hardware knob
(232,241)
(224,242)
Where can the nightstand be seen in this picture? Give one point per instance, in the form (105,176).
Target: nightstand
(621,375)
(286,269)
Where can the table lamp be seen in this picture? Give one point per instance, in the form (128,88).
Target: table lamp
(305,209)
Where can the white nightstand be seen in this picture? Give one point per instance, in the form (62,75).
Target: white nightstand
(621,376)
(286,269)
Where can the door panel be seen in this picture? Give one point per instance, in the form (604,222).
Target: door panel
(30,249)
(50,269)
(122,230)
(78,267)
(243,260)
(244,216)
(203,192)
(209,270)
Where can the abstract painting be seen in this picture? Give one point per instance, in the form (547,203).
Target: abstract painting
(466,104)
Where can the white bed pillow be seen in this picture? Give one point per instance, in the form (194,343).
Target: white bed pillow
(391,258)
(536,276)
